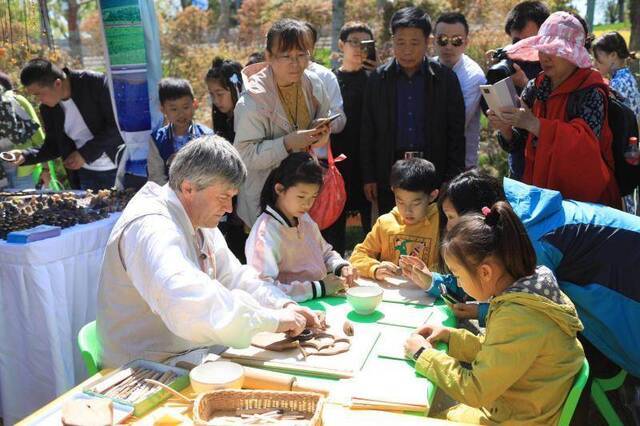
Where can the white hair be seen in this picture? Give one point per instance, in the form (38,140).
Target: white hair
(205,160)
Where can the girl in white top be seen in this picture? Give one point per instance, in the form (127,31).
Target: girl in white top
(285,243)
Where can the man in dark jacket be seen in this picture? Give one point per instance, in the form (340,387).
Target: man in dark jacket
(412,106)
(78,121)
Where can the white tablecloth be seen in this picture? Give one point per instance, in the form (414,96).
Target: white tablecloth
(48,291)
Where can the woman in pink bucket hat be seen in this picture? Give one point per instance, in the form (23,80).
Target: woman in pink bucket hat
(571,154)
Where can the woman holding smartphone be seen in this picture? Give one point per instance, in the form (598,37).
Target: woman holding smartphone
(279,111)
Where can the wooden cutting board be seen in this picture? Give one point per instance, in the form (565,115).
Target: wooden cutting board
(342,365)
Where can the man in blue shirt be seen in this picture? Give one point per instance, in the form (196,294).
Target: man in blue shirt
(413,106)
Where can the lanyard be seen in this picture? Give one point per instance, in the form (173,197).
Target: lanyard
(190,134)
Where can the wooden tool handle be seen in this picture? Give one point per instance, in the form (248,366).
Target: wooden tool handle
(170,390)
(255,378)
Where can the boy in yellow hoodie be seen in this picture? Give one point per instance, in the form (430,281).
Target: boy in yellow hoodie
(524,366)
(410,229)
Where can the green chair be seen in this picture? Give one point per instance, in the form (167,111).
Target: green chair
(89,347)
(599,387)
(574,395)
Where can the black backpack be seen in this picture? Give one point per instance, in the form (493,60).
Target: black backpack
(623,125)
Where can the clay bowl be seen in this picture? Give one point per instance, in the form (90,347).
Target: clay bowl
(364,299)
(216,375)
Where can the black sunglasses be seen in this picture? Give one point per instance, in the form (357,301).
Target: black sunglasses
(455,41)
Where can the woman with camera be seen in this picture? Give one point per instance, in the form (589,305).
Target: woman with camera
(571,154)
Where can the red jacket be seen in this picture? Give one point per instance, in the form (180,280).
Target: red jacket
(568,156)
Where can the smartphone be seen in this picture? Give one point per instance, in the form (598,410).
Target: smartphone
(327,120)
(370,47)
(448,297)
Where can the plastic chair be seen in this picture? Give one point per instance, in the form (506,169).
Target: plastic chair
(599,397)
(89,347)
(574,395)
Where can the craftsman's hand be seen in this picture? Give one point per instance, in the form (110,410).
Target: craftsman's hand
(414,269)
(349,274)
(465,310)
(311,318)
(290,322)
(74,161)
(302,139)
(434,333)
(17,153)
(519,78)
(386,270)
(413,343)
(371,192)
(333,284)
(521,118)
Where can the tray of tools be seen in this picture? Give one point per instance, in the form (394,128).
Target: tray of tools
(128,384)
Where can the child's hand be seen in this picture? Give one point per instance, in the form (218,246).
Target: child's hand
(349,274)
(413,343)
(465,310)
(414,269)
(333,284)
(434,333)
(385,270)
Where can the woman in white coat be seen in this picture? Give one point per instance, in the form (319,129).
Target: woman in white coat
(278,112)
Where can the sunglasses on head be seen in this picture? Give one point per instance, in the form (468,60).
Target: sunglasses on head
(455,41)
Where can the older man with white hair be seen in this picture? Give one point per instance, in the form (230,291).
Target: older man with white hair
(169,283)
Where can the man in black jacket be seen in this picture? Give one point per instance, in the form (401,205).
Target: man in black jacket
(78,121)
(412,106)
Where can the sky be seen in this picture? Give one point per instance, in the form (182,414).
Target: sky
(599,17)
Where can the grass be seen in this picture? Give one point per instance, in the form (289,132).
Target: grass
(624,28)
(612,27)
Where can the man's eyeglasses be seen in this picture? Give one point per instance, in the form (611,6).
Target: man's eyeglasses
(455,41)
(291,59)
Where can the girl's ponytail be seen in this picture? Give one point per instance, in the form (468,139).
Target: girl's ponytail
(496,232)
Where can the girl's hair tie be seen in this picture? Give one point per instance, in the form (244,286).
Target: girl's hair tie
(486,211)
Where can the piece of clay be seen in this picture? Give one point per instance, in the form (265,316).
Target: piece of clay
(322,343)
(347,327)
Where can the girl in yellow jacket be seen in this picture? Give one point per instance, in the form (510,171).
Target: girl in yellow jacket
(524,366)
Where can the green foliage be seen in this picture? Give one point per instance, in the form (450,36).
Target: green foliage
(322,55)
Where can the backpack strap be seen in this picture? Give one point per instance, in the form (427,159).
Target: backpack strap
(576,99)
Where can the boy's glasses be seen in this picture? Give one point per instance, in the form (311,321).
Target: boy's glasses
(455,41)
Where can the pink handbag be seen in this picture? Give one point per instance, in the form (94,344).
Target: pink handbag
(330,202)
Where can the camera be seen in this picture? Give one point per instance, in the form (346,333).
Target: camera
(502,69)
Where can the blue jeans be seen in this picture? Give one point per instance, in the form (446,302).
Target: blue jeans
(94,180)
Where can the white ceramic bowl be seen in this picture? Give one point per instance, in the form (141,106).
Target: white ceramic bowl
(216,375)
(364,299)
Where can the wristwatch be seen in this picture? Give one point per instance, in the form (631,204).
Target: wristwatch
(418,353)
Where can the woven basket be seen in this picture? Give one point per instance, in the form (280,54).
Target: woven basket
(221,403)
